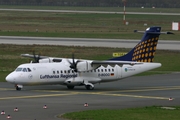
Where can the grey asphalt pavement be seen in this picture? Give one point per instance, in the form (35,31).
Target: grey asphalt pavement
(137,91)
(119,43)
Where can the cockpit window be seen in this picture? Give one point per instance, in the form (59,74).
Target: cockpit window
(24,70)
(29,70)
(18,69)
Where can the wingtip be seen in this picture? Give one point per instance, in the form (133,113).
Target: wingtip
(170,33)
(24,54)
(135,30)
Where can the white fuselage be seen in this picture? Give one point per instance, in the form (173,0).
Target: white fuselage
(60,73)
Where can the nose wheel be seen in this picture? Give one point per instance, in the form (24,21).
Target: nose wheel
(18,87)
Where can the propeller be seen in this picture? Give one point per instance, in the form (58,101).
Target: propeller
(36,57)
(73,64)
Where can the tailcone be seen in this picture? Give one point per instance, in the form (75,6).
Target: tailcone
(149,66)
(140,68)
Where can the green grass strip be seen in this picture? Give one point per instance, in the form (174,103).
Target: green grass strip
(146,113)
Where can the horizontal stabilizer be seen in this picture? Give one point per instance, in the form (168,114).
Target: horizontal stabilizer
(136,31)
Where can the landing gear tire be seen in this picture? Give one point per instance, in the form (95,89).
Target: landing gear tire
(70,87)
(18,88)
(89,87)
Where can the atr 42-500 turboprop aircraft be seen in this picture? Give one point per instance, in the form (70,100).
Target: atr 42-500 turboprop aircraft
(77,72)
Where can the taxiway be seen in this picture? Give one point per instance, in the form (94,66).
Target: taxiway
(119,43)
(137,91)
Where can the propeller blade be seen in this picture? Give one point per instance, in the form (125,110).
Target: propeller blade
(36,57)
(73,64)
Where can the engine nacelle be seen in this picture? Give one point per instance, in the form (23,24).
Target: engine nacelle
(49,60)
(86,66)
(45,60)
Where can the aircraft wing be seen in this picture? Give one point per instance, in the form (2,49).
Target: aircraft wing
(32,56)
(113,63)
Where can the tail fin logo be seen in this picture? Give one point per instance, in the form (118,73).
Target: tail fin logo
(145,50)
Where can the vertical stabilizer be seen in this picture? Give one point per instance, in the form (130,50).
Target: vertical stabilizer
(145,50)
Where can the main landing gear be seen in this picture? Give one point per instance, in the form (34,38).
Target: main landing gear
(89,87)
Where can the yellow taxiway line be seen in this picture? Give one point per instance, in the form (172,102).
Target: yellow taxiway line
(35,96)
(107,93)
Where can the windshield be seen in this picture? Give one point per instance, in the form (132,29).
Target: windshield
(23,69)
(18,69)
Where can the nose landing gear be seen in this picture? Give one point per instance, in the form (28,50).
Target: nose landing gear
(18,87)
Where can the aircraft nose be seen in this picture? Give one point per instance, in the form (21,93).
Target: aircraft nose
(10,78)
